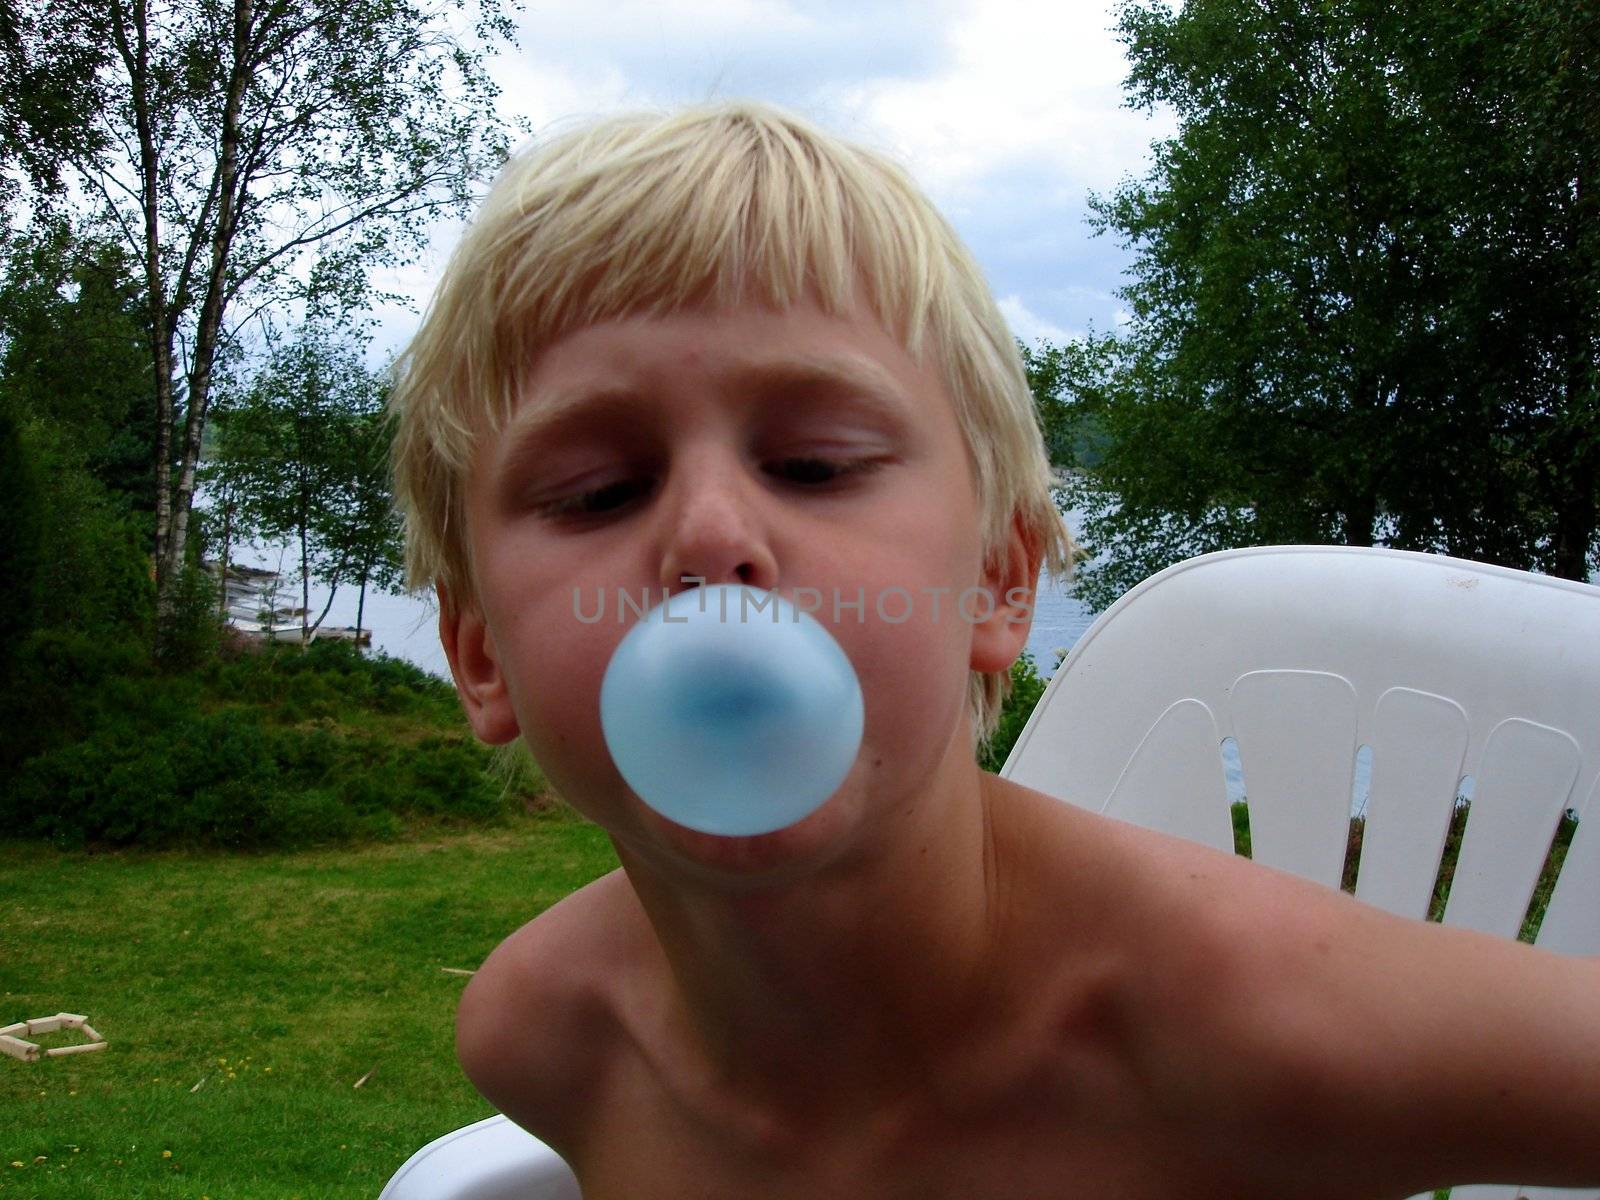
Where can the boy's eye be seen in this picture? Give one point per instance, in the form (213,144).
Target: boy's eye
(811,470)
(600,501)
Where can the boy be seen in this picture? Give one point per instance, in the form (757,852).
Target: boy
(722,347)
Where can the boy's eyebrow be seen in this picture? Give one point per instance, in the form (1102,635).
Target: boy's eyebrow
(858,377)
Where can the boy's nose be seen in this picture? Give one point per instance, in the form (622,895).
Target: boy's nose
(713,530)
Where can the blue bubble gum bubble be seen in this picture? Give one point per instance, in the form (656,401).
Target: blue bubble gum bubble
(730,711)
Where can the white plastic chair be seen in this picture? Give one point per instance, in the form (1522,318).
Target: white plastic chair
(491,1159)
(1445,669)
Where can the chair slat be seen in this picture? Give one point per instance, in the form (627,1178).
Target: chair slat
(1175,782)
(1524,784)
(1419,742)
(1571,924)
(1297,744)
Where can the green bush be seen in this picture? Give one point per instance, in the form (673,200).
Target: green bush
(280,748)
(137,784)
(327,676)
(451,777)
(227,779)
(21,538)
(94,571)
(60,687)
(1026,688)
(193,635)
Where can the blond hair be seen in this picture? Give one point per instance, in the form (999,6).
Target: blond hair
(719,205)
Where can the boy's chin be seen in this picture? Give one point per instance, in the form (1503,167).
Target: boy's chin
(805,847)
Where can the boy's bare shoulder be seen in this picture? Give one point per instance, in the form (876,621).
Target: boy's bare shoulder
(1309,1023)
(539,1024)
(1238,978)
(1183,937)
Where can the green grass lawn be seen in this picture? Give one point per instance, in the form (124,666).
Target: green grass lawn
(243,996)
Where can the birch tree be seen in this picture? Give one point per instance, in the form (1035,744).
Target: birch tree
(255,156)
(301,457)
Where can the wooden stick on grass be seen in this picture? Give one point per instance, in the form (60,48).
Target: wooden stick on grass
(58,1051)
(16,1047)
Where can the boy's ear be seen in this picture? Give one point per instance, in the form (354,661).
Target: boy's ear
(475,666)
(1012,577)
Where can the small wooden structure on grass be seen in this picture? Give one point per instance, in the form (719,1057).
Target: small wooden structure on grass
(27,1051)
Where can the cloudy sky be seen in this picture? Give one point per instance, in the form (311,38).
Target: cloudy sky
(1008,112)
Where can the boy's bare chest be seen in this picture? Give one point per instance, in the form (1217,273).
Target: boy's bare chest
(1038,1139)
(1032,1158)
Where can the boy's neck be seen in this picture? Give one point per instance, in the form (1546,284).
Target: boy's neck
(834,968)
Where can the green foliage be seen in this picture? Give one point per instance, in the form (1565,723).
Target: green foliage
(329,678)
(94,572)
(75,367)
(285,149)
(1026,688)
(1239,816)
(302,456)
(193,632)
(67,687)
(1061,378)
(76,408)
(1366,292)
(279,748)
(21,537)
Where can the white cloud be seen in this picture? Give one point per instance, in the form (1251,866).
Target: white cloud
(1026,84)
(1007,111)
(579,57)
(1030,326)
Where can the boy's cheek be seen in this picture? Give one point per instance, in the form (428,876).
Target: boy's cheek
(571,752)
(913,680)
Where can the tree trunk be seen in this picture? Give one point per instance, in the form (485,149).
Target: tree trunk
(170,556)
(361,603)
(133,46)
(321,616)
(227,545)
(305,590)
(333,590)
(1578,481)
(1576,521)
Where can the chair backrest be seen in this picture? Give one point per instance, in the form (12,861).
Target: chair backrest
(1445,671)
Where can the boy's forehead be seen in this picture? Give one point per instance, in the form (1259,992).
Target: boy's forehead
(797,353)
